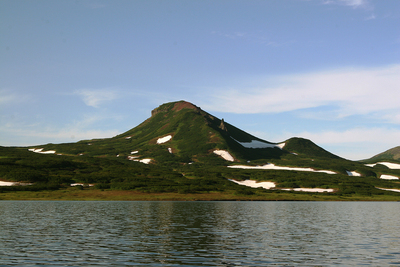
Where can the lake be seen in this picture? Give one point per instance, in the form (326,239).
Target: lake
(74,233)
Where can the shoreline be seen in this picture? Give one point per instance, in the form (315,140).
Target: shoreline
(71,194)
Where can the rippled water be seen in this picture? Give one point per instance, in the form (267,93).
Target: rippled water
(69,233)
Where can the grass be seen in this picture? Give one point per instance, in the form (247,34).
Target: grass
(195,135)
(90,194)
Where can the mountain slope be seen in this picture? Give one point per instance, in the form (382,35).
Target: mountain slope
(188,150)
(392,155)
(180,133)
(190,135)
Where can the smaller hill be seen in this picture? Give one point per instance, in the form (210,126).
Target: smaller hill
(307,147)
(392,155)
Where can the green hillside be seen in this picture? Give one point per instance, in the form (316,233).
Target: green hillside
(391,155)
(175,151)
(195,134)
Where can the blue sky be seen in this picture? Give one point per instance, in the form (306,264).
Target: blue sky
(326,70)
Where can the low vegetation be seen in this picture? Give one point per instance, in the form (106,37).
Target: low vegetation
(184,168)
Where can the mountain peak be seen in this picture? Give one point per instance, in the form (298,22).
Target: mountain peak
(183,104)
(175,106)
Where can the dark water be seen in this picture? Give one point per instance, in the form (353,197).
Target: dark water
(199,233)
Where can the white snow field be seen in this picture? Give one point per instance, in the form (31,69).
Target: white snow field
(387,164)
(164,139)
(3,183)
(136,158)
(353,173)
(75,184)
(224,154)
(7,183)
(269,185)
(316,190)
(170,150)
(255,184)
(271,166)
(259,144)
(39,150)
(389,177)
(387,189)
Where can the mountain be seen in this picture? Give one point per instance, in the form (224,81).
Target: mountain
(182,148)
(182,132)
(392,155)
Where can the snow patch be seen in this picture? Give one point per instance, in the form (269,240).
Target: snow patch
(170,150)
(269,185)
(353,173)
(387,164)
(255,184)
(48,152)
(40,151)
(129,137)
(259,144)
(145,161)
(7,183)
(134,152)
(389,177)
(387,189)
(224,154)
(76,184)
(164,139)
(316,190)
(271,166)
(2,183)
(281,145)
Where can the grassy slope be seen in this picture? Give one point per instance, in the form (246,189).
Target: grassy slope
(195,135)
(200,182)
(192,136)
(391,155)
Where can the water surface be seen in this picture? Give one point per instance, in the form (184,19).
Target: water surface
(74,233)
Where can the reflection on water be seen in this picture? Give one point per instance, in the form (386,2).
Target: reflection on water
(199,233)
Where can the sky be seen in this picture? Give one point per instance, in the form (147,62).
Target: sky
(325,70)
